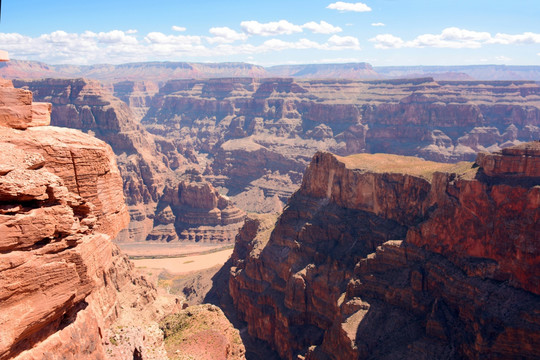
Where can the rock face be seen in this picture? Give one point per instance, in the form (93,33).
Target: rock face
(145,162)
(252,138)
(61,204)
(270,128)
(383,256)
(194,211)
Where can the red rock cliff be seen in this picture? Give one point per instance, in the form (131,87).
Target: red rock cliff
(61,204)
(384,256)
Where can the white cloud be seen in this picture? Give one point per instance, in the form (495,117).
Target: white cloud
(343,42)
(225,35)
(280,45)
(131,31)
(282,27)
(387,41)
(454,37)
(345,6)
(160,38)
(322,27)
(116,36)
(502,58)
(116,46)
(525,38)
(378,24)
(178,28)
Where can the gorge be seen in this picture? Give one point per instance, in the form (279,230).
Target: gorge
(251,139)
(371,219)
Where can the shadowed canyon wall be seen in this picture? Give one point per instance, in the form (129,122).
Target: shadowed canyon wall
(391,257)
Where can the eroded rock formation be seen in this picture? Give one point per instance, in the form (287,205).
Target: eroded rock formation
(61,204)
(391,257)
(192,210)
(252,138)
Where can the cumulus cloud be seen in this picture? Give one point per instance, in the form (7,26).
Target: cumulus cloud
(225,35)
(387,41)
(344,42)
(378,24)
(178,28)
(131,31)
(322,27)
(116,36)
(345,6)
(454,37)
(160,38)
(525,38)
(282,27)
(118,46)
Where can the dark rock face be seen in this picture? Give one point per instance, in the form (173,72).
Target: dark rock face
(382,256)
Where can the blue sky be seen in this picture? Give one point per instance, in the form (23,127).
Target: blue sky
(381,32)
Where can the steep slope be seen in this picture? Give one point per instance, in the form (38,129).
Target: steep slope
(259,134)
(150,164)
(61,204)
(252,138)
(392,257)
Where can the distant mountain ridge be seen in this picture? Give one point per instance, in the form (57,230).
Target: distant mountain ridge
(164,71)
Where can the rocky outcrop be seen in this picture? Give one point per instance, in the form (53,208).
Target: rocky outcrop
(384,256)
(272,127)
(61,204)
(193,210)
(144,161)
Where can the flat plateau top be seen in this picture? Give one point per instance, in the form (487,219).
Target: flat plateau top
(398,164)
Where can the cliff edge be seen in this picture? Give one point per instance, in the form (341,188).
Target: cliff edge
(393,257)
(61,204)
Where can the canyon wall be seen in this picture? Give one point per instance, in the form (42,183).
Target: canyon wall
(392,257)
(61,204)
(150,165)
(253,138)
(259,134)
(164,71)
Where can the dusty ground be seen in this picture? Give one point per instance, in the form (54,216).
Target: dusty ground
(149,249)
(185,264)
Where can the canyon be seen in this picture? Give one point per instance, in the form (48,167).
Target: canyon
(61,204)
(393,257)
(67,292)
(429,250)
(163,71)
(251,139)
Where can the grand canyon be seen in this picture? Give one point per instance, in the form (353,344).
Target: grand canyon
(375,212)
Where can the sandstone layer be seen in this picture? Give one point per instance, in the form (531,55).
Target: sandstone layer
(151,165)
(253,138)
(193,210)
(392,257)
(61,204)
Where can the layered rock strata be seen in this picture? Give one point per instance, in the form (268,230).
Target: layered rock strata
(383,256)
(61,204)
(270,128)
(144,161)
(193,210)
(252,138)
